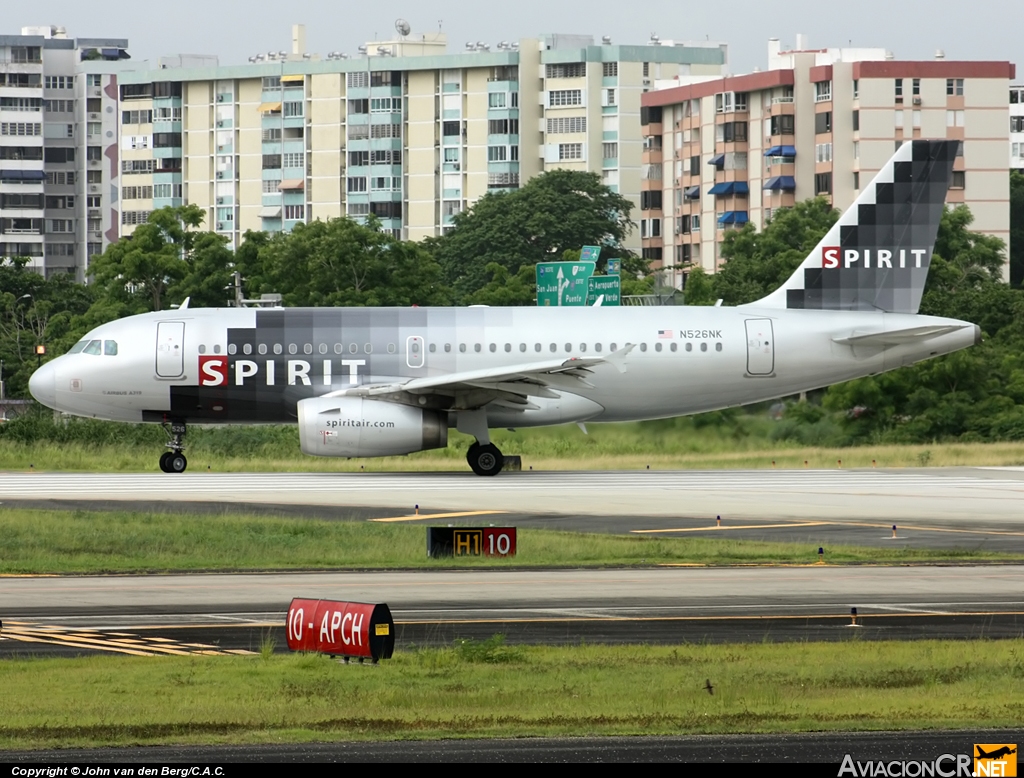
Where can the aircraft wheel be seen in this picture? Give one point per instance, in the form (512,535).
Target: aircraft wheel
(176,463)
(485,460)
(164,466)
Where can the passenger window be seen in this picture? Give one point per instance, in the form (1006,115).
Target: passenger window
(94,348)
(292,348)
(278,349)
(353,348)
(368,348)
(568,347)
(202,347)
(597,347)
(643,347)
(703,346)
(476,348)
(447,347)
(462,348)
(554,347)
(110,348)
(247,349)
(536,347)
(674,347)
(262,348)
(307,348)
(583,346)
(338,348)
(494,347)
(689,347)
(522,347)
(77,348)
(508,347)
(323,348)
(657,347)
(232,349)
(216,348)
(613,347)
(718,347)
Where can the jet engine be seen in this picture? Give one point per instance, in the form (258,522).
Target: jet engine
(358,427)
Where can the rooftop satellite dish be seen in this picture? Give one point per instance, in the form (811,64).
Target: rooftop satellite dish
(403,27)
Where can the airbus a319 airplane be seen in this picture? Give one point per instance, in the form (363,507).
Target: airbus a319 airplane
(365,382)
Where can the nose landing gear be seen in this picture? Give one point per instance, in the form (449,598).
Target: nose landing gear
(174,461)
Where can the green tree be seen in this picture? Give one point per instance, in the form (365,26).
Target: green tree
(164,260)
(699,288)
(340,262)
(555,212)
(757,263)
(36,311)
(1016,228)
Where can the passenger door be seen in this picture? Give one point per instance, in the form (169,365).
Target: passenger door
(760,347)
(170,349)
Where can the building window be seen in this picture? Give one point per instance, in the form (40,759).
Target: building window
(94,79)
(822,91)
(958,180)
(856,88)
(695,165)
(562,97)
(293,109)
(358,158)
(497,153)
(822,183)
(20,128)
(503,180)
(731,132)
(610,150)
(165,191)
(856,180)
(451,207)
(136,117)
(1016,123)
(271,161)
(567,70)
(955,118)
(59,82)
(898,90)
(822,122)
(357,184)
(915,87)
(137,192)
(609,69)
(292,159)
(273,82)
(384,131)
(358,209)
(856,121)
(386,183)
(505,126)
(451,128)
(451,154)
(650,200)
(567,125)
(568,151)
(856,149)
(497,100)
(898,119)
(784,124)
(823,152)
(137,166)
(134,217)
(386,105)
(955,87)
(293,212)
(916,119)
(271,186)
(358,107)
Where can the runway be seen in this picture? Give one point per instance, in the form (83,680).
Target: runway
(236,613)
(990,497)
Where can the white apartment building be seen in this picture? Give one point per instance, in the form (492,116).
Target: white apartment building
(1017,126)
(58,147)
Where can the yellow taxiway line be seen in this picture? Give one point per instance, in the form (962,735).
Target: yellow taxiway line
(431,516)
(731,526)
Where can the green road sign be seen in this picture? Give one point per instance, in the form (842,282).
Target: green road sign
(608,286)
(614,267)
(563,283)
(590,253)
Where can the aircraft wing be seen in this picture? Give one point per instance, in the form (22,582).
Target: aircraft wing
(509,385)
(896,337)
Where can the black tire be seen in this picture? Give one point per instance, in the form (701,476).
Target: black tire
(176,463)
(485,460)
(164,466)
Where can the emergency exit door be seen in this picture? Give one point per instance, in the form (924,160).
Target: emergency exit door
(414,351)
(760,347)
(170,349)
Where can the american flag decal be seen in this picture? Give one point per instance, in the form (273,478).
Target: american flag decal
(664,333)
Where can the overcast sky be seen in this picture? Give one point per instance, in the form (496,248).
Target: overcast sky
(234,30)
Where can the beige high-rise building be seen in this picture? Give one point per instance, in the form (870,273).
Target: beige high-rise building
(822,122)
(406,131)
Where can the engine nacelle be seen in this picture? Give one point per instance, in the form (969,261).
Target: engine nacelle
(357,427)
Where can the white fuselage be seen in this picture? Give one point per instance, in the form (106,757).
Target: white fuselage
(223,365)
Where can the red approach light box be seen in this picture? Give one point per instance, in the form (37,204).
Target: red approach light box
(471,541)
(347,629)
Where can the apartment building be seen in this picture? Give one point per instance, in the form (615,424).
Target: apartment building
(58,132)
(405,131)
(1017,127)
(723,152)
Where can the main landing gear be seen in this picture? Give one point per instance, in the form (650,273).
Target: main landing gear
(174,461)
(485,459)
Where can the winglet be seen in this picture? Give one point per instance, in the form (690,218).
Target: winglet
(618,357)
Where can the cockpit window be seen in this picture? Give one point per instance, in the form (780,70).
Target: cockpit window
(95,347)
(110,348)
(78,346)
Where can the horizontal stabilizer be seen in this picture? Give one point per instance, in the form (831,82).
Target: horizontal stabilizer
(897,337)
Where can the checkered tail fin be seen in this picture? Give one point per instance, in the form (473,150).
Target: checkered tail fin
(876,257)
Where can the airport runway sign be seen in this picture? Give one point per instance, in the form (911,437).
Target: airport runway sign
(562,284)
(608,288)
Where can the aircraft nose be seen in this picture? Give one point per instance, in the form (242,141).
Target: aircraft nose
(43,385)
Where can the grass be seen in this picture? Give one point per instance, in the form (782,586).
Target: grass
(672,444)
(51,541)
(502,691)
